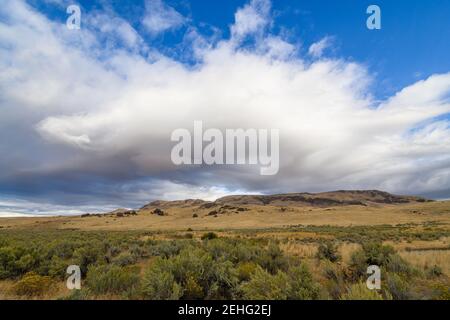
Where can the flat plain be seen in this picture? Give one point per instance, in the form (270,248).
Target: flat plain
(417,231)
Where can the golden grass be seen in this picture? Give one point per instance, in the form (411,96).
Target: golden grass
(442,243)
(346,250)
(302,250)
(309,250)
(428,258)
(256,217)
(424,254)
(7,291)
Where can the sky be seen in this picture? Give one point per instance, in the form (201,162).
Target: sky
(86,115)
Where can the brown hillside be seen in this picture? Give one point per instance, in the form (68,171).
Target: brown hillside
(321,200)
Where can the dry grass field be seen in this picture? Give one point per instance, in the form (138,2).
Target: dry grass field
(180,218)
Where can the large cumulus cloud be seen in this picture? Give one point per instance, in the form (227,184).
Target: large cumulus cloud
(86,116)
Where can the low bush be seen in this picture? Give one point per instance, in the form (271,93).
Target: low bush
(297,284)
(83,294)
(377,254)
(57,268)
(328,250)
(124,259)
(245,270)
(397,264)
(192,290)
(266,286)
(335,284)
(381,256)
(273,259)
(33,284)
(302,285)
(111,279)
(442,291)
(86,256)
(159,283)
(359,291)
(166,249)
(397,286)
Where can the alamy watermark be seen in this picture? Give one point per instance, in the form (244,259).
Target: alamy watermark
(374,20)
(73,22)
(233,146)
(374,280)
(74,280)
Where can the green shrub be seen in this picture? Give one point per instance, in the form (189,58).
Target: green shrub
(194,274)
(62,250)
(302,286)
(397,286)
(328,250)
(243,251)
(159,283)
(297,284)
(191,261)
(82,294)
(111,279)
(7,263)
(273,259)
(359,291)
(335,284)
(194,264)
(358,265)
(245,270)
(166,249)
(222,281)
(137,251)
(265,286)
(330,271)
(86,256)
(124,259)
(25,263)
(192,289)
(57,268)
(377,254)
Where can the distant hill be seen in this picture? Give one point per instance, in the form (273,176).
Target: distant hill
(337,208)
(323,199)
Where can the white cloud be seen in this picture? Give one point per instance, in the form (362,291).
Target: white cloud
(166,190)
(160,17)
(119,28)
(79,108)
(317,49)
(252,18)
(24,208)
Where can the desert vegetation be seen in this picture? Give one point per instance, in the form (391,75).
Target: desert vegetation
(292,246)
(297,262)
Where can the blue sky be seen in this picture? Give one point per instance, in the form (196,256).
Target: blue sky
(412,44)
(92,110)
